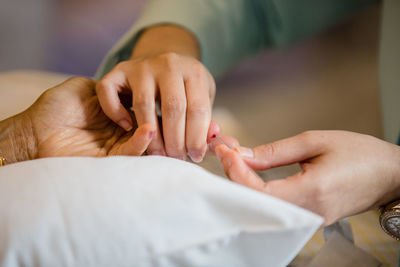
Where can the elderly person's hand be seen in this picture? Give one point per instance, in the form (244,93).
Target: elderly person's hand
(343,173)
(164,67)
(67,120)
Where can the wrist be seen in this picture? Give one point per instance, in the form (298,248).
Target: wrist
(163,39)
(17,141)
(393,193)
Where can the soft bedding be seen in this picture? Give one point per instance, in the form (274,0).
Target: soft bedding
(141,211)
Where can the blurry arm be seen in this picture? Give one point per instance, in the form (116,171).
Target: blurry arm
(225,32)
(166,39)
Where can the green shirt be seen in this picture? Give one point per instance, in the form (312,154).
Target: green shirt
(231,30)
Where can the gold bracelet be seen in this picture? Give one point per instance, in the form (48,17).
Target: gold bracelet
(2,161)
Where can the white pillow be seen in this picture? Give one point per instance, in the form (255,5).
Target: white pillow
(141,211)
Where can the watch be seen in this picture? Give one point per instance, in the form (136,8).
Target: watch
(390,219)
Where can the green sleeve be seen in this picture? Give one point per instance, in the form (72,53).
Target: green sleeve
(230,30)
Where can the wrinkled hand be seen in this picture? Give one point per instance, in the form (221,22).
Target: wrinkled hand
(343,173)
(67,120)
(185,89)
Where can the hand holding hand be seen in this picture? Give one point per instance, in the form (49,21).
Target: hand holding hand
(67,120)
(182,85)
(343,173)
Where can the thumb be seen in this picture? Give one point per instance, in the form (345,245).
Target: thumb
(137,144)
(283,152)
(237,170)
(293,189)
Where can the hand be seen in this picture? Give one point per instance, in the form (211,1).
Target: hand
(177,79)
(67,120)
(343,173)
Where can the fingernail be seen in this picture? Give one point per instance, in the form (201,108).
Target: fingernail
(195,156)
(152,134)
(125,124)
(245,151)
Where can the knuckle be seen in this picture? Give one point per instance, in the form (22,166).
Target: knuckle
(314,138)
(198,110)
(169,60)
(169,56)
(141,103)
(173,106)
(121,65)
(269,150)
(82,81)
(102,85)
(140,68)
(307,134)
(308,137)
(199,68)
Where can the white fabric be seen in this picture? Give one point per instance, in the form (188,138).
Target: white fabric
(141,211)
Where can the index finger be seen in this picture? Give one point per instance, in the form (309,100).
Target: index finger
(284,152)
(107,91)
(296,189)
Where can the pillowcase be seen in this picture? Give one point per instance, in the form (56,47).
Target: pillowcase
(141,211)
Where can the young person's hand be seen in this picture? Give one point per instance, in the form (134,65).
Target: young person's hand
(343,173)
(164,68)
(67,120)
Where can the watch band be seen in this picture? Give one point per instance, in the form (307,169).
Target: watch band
(390,219)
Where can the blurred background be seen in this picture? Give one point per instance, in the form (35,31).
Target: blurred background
(335,68)
(67,36)
(72,36)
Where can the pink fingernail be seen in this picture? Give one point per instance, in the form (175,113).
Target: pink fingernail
(195,156)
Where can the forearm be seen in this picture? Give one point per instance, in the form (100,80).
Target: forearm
(165,39)
(17,139)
